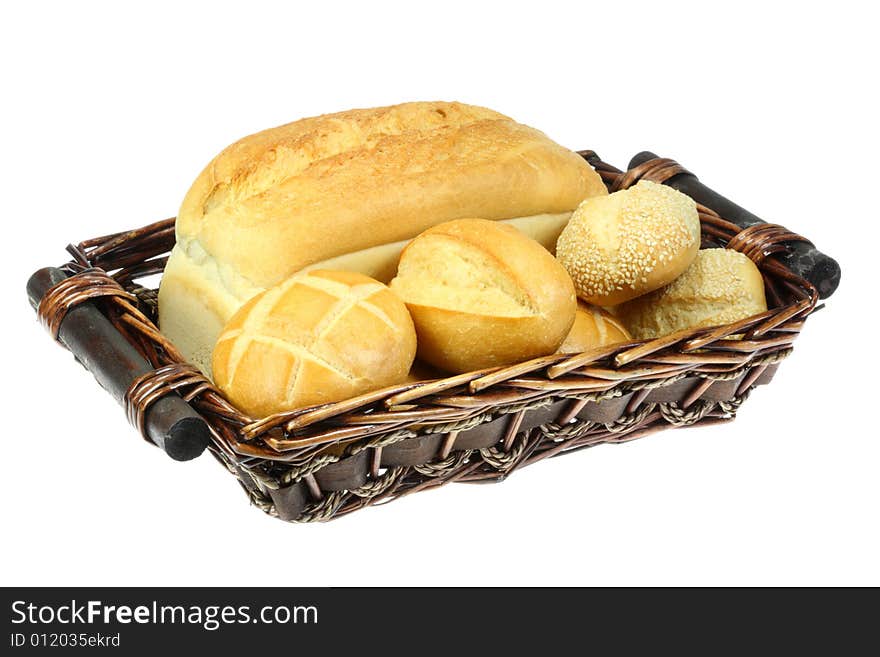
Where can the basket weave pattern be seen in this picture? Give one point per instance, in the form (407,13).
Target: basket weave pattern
(323,462)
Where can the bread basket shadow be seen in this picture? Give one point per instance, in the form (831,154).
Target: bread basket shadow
(324,462)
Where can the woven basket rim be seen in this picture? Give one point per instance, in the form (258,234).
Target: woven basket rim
(300,439)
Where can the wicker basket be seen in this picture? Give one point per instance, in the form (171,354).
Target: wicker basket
(326,461)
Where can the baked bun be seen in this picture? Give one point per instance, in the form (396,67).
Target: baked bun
(345,192)
(483,294)
(593,327)
(720,287)
(318,337)
(631,242)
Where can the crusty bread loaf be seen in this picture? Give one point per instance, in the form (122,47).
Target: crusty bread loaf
(593,327)
(721,286)
(628,243)
(311,191)
(483,294)
(317,337)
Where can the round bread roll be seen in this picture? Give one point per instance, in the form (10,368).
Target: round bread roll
(483,294)
(631,242)
(593,327)
(720,287)
(320,336)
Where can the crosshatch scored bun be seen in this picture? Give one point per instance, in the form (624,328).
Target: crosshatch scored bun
(482,294)
(720,287)
(318,337)
(628,243)
(345,191)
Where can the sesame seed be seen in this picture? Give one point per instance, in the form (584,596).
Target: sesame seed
(616,241)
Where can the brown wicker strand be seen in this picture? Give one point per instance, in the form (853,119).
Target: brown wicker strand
(658,170)
(155,384)
(84,286)
(762,240)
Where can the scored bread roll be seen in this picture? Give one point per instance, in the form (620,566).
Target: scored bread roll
(720,287)
(482,294)
(628,243)
(593,327)
(317,337)
(335,190)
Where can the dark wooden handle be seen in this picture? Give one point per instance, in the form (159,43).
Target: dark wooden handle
(171,423)
(802,258)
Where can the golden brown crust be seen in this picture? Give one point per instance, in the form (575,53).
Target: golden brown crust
(593,327)
(318,337)
(260,161)
(280,200)
(720,287)
(629,243)
(482,294)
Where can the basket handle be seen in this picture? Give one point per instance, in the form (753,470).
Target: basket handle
(801,257)
(168,421)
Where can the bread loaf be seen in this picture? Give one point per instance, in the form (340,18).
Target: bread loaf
(628,243)
(593,327)
(720,287)
(317,337)
(482,294)
(312,192)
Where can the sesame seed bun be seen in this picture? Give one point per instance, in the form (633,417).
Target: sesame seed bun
(626,244)
(720,287)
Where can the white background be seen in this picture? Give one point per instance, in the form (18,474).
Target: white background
(110,112)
